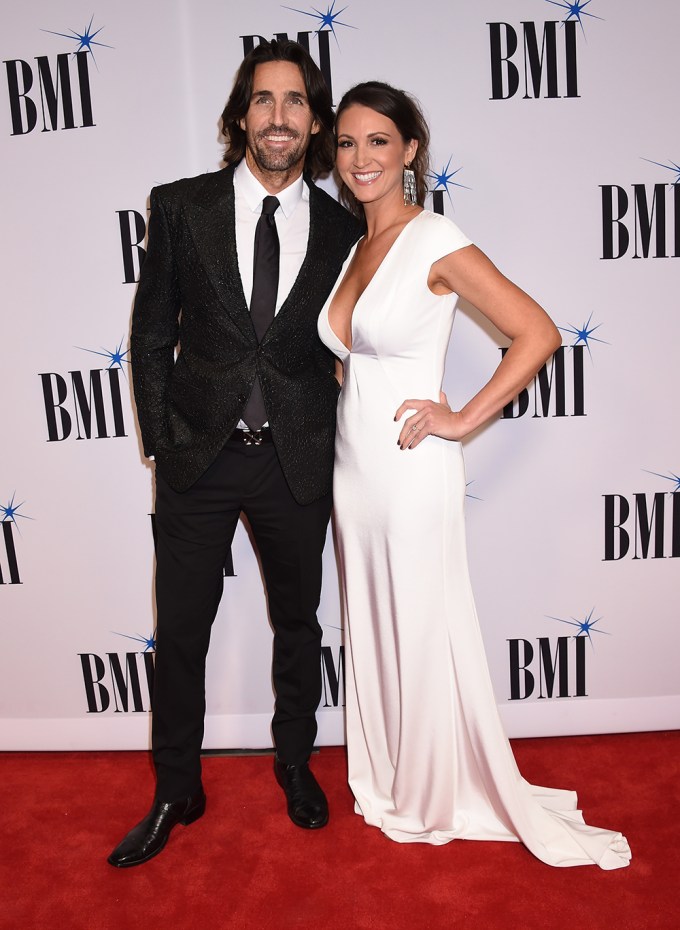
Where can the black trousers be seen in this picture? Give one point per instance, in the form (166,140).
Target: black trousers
(195,530)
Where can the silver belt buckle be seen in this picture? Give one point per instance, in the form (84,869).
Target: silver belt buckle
(252,437)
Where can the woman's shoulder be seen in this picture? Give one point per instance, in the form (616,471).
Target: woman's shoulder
(440,233)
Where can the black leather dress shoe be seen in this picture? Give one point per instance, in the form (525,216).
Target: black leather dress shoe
(307,804)
(149,837)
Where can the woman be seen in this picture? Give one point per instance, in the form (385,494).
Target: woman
(428,759)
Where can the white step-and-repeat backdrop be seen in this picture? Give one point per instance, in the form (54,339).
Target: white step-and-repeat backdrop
(555,147)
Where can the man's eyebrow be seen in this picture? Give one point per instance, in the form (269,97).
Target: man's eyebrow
(289,93)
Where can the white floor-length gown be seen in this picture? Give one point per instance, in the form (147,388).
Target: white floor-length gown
(428,758)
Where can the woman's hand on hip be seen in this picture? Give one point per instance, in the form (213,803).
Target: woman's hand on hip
(430,419)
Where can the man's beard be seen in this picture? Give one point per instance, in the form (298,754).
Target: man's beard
(268,160)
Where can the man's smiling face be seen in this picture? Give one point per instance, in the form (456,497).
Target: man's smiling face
(279,122)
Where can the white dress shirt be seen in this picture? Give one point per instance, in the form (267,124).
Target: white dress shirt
(292,226)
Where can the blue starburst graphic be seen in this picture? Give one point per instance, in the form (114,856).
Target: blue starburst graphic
(85,39)
(149,642)
(671,167)
(471,496)
(575,11)
(115,357)
(442,179)
(586,626)
(670,477)
(584,334)
(10,512)
(328,20)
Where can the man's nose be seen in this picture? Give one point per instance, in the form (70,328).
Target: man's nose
(279,115)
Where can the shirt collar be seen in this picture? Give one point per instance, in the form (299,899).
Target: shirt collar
(254,193)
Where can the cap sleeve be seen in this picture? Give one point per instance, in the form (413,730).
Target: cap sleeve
(444,237)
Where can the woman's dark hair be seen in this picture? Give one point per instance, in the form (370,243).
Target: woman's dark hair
(321,152)
(404,111)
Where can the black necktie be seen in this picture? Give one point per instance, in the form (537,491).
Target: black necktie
(263,299)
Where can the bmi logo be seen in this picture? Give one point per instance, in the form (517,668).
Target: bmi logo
(121,682)
(55,92)
(642,220)
(86,404)
(538,59)
(643,525)
(9,563)
(560,384)
(326,24)
(556,667)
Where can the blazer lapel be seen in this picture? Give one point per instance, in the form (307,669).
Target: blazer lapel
(317,257)
(211,221)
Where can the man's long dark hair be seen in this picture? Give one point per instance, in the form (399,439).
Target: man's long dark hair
(320,154)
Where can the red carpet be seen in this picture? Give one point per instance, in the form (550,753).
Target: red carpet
(244,865)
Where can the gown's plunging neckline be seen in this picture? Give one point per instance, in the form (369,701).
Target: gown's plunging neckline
(376,274)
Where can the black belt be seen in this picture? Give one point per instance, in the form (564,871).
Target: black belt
(252,437)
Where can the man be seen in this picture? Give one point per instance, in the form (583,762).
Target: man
(238,266)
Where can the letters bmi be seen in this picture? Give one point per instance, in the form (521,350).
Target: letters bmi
(655,219)
(85,403)
(656,520)
(123,681)
(52,85)
(553,673)
(540,65)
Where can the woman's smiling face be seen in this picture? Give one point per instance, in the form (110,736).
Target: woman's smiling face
(371,155)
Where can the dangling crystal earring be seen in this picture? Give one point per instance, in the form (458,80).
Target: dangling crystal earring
(410,195)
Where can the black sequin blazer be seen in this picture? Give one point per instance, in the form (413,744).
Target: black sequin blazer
(190,293)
